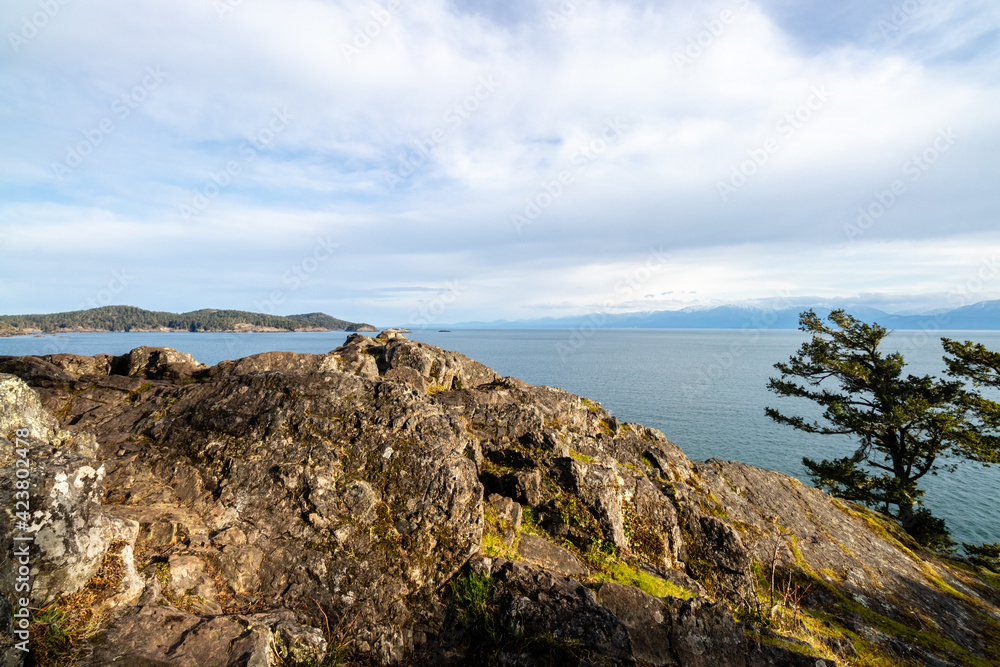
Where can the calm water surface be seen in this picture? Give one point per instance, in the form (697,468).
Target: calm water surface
(706,390)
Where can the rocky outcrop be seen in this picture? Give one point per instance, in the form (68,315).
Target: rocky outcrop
(391,502)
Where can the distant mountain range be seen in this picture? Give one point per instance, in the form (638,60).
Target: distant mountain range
(129,318)
(980,316)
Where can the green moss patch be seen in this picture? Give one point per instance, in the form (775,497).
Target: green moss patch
(604,557)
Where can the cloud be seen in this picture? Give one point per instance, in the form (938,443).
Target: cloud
(417,133)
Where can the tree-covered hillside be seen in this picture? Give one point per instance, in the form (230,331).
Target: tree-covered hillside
(129,318)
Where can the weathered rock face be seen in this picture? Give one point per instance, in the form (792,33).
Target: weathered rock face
(69,528)
(288,508)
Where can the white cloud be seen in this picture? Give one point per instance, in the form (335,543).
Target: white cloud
(552,91)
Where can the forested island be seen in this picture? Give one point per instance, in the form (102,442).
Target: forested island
(129,318)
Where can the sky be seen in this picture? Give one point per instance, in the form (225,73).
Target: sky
(399,162)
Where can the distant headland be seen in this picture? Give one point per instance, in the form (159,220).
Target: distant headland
(131,319)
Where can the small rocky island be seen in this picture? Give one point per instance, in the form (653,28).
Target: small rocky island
(394,503)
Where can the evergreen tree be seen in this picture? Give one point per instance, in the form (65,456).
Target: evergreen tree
(984,555)
(901,424)
(979,366)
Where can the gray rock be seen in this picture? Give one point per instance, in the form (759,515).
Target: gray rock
(156,363)
(160,525)
(281,362)
(69,530)
(705,635)
(548,556)
(509,516)
(543,603)
(240,567)
(647,621)
(76,365)
(294,643)
(408,376)
(528,487)
(231,536)
(163,635)
(252,649)
(21,409)
(189,579)
(361,501)
(602,489)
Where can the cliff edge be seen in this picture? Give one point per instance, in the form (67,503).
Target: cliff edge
(394,503)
